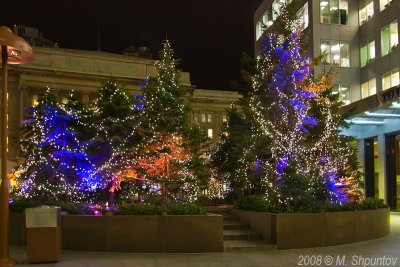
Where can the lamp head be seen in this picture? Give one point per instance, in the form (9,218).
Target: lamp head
(18,50)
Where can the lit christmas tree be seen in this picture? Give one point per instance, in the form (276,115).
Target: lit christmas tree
(57,165)
(295,153)
(169,158)
(115,120)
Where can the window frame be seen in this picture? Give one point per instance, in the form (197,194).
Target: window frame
(365,7)
(330,15)
(391,46)
(367,45)
(339,89)
(330,61)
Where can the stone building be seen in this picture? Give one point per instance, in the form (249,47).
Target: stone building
(84,71)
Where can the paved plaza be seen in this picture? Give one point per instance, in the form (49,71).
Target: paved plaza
(386,251)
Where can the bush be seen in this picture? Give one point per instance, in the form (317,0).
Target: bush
(21,205)
(207,201)
(179,208)
(138,209)
(256,203)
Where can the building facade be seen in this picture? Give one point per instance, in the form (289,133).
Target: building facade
(64,70)
(361,41)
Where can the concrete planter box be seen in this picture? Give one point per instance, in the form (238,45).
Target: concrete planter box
(303,230)
(134,233)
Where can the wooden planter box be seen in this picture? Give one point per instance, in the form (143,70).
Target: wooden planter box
(133,233)
(304,230)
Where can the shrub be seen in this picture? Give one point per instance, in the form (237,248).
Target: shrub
(256,203)
(180,208)
(138,209)
(21,205)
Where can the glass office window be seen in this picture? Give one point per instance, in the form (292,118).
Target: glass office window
(367,53)
(368,88)
(383,4)
(209,117)
(224,118)
(35,100)
(210,133)
(389,38)
(337,53)
(203,117)
(390,79)
(343,90)
(366,11)
(334,11)
(302,15)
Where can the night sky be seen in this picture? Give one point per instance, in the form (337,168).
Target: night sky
(207,35)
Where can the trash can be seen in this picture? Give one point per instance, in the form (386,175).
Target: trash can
(43,234)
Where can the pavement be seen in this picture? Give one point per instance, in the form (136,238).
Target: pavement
(379,252)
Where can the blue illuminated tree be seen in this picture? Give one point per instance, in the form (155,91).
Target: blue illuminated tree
(56,163)
(304,159)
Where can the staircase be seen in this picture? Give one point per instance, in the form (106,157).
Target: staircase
(237,235)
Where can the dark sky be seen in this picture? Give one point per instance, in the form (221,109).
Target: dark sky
(207,35)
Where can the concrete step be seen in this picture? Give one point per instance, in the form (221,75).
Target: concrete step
(230,217)
(235,225)
(223,209)
(241,235)
(248,245)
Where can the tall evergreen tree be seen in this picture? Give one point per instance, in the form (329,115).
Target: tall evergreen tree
(297,151)
(116,121)
(57,165)
(169,153)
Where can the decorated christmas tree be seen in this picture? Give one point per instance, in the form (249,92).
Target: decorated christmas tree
(296,154)
(56,165)
(169,157)
(115,120)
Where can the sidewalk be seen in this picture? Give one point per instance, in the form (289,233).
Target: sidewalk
(358,254)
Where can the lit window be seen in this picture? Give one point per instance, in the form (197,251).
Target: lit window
(334,11)
(343,90)
(384,4)
(64,100)
(203,117)
(209,117)
(259,29)
(276,7)
(302,15)
(368,88)
(264,22)
(224,118)
(210,133)
(337,53)
(35,100)
(366,11)
(367,53)
(390,79)
(389,38)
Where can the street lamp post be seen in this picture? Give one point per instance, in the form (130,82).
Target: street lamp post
(14,50)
